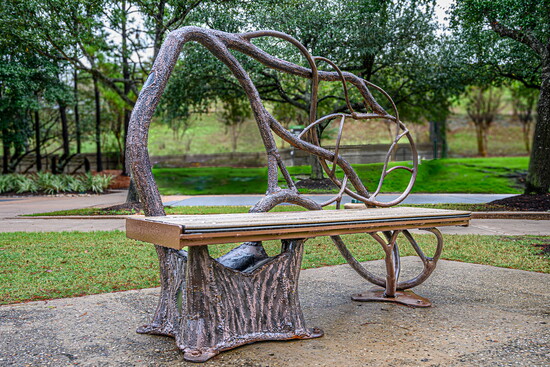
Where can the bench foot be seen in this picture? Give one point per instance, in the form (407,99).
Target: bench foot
(407,298)
(204,354)
(393,289)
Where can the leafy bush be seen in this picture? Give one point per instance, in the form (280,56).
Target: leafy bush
(53,184)
(97,183)
(6,183)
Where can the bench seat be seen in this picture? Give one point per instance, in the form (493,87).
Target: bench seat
(178,231)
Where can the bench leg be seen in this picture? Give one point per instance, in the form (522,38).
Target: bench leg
(219,308)
(392,289)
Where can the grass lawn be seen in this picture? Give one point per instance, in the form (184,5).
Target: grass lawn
(37,266)
(461,175)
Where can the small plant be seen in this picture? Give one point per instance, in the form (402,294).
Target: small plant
(22,183)
(6,183)
(53,184)
(97,183)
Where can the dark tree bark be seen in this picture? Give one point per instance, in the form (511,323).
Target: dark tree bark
(37,141)
(64,132)
(99,156)
(6,152)
(126,77)
(77,114)
(538,177)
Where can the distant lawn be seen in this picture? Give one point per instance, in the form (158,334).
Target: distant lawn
(461,175)
(37,266)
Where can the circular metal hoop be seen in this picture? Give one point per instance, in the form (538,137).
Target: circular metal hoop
(429,263)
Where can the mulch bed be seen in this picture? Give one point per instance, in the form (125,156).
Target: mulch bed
(526,202)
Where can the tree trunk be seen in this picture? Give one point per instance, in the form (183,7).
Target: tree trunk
(485,131)
(6,152)
(526,128)
(37,141)
(76,114)
(316,168)
(480,141)
(538,177)
(215,308)
(126,77)
(99,156)
(443,138)
(64,132)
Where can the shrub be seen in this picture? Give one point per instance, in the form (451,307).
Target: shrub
(97,183)
(53,184)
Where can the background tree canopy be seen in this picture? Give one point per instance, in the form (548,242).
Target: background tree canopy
(71,70)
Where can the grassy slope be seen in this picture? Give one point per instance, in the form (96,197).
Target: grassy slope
(466,175)
(55,265)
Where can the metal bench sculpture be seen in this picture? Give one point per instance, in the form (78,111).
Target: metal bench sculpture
(210,305)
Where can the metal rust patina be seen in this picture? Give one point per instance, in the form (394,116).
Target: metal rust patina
(211,305)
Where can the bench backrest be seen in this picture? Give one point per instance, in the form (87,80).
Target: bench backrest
(220,44)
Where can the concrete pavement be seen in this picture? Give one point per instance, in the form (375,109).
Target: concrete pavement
(482,316)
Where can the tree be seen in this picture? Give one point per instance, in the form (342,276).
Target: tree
(234,113)
(482,106)
(523,101)
(515,37)
(393,44)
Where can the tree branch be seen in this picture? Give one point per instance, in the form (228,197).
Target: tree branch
(525,38)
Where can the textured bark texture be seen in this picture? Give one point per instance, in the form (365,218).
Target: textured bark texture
(538,178)
(224,308)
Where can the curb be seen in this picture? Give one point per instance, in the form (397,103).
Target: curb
(475,215)
(86,217)
(512,215)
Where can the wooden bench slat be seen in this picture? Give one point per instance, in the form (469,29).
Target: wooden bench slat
(178,231)
(208,221)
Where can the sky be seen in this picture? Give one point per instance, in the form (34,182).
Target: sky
(440,8)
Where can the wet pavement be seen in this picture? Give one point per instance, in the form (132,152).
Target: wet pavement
(482,316)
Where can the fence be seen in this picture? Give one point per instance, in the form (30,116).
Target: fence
(355,154)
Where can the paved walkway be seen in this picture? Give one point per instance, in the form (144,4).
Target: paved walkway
(11,208)
(482,316)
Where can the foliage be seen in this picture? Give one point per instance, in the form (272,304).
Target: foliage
(234,113)
(38,266)
(53,184)
(393,44)
(523,102)
(482,106)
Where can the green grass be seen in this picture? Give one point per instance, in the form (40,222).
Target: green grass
(37,266)
(463,175)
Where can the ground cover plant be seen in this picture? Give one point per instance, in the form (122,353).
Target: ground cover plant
(37,266)
(461,175)
(48,183)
